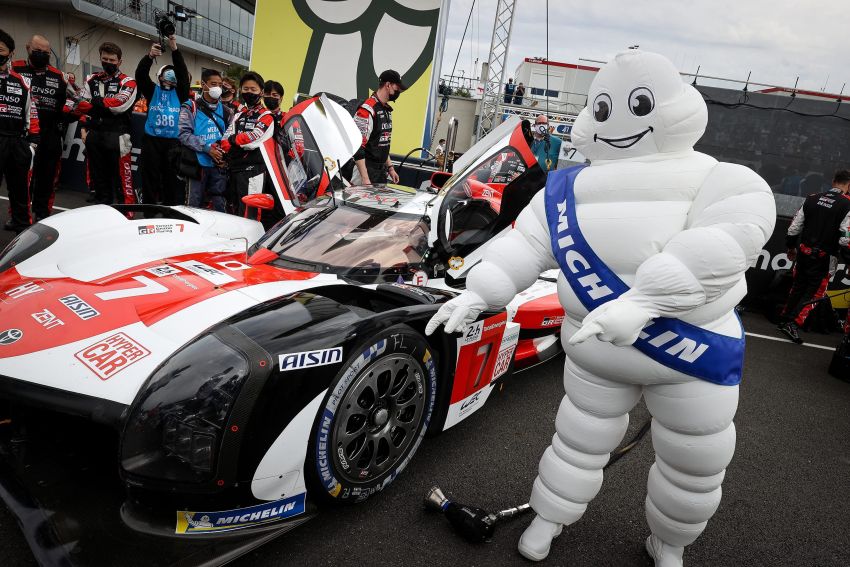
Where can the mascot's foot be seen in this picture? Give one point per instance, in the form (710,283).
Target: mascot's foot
(537,538)
(664,555)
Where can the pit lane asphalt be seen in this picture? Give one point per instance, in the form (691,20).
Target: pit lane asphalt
(786,498)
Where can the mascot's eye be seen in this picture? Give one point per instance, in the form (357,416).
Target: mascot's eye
(641,101)
(602,107)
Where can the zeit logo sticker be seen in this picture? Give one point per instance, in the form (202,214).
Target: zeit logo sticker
(310,358)
(79,307)
(108,357)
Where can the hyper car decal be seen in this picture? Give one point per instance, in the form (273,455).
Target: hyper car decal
(107,357)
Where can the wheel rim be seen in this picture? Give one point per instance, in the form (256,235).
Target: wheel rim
(379,418)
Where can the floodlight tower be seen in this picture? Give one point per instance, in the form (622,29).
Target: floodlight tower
(499,45)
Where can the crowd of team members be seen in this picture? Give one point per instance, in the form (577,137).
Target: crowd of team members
(201,147)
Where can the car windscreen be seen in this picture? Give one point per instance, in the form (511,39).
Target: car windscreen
(362,243)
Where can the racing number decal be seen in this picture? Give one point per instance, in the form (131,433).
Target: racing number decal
(481,362)
(476,358)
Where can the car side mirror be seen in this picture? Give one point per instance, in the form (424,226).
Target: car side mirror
(260,201)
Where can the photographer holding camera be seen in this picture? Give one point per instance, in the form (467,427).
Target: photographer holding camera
(545,147)
(160,183)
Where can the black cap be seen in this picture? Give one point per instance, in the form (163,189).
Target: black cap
(390,76)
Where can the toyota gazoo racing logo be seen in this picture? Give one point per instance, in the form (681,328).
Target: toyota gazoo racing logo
(10,336)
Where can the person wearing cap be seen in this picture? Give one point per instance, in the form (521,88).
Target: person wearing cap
(374,118)
(160,183)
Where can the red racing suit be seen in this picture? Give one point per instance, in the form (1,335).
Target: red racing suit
(242,141)
(19,128)
(108,102)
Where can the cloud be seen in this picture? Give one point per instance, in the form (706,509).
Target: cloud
(776,40)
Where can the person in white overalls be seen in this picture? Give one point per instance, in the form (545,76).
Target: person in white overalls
(652,240)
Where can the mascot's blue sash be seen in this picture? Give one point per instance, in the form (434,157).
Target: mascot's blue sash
(678,345)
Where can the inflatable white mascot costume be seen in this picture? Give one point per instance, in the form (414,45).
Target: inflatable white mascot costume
(653,240)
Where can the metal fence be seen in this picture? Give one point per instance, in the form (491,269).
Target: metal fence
(195,30)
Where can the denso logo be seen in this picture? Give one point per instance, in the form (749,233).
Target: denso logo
(108,357)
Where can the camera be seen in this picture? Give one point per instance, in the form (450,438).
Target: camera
(164,25)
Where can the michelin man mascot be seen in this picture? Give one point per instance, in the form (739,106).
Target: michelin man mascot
(652,240)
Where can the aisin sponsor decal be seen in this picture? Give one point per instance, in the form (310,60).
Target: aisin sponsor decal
(79,307)
(111,355)
(310,358)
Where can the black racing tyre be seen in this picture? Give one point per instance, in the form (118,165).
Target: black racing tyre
(371,422)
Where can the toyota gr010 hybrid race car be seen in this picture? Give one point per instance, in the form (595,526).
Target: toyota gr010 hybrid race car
(239,374)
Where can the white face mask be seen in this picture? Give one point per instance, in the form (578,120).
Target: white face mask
(214,92)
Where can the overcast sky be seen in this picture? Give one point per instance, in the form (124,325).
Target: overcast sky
(775,39)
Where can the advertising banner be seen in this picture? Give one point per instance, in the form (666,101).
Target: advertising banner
(341,46)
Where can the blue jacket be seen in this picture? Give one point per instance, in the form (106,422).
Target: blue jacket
(549,148)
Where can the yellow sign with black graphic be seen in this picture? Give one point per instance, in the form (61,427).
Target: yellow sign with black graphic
(342,46)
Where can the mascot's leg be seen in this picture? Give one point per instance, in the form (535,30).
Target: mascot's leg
(591,422)
(694,439)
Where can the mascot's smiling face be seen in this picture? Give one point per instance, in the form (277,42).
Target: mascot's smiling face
(638,105)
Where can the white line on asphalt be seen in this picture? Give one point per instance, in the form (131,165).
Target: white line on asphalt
(54,206)
(768,337)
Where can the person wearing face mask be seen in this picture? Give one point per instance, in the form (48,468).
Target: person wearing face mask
(545,147)
(249,130)
(228,95)
(51,91)
(160,181)
(203,122)
(272,96)
(19,130)
(108,98)
(374,118)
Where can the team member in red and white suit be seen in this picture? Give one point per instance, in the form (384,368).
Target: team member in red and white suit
(19,132)
(108,102)
(654,318)
(51,93)
(375,120)
(250,128)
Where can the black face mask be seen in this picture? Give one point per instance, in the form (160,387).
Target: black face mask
(393,97)
(271,102)
(3,59)
(250,98)
(40,59)
(109,68)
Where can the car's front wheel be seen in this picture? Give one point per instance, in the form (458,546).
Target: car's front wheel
(373,418)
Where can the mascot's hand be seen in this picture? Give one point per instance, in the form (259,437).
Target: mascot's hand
(457,313)
(619,322)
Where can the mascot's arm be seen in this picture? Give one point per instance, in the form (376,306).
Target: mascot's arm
(511,264)
(731,218)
